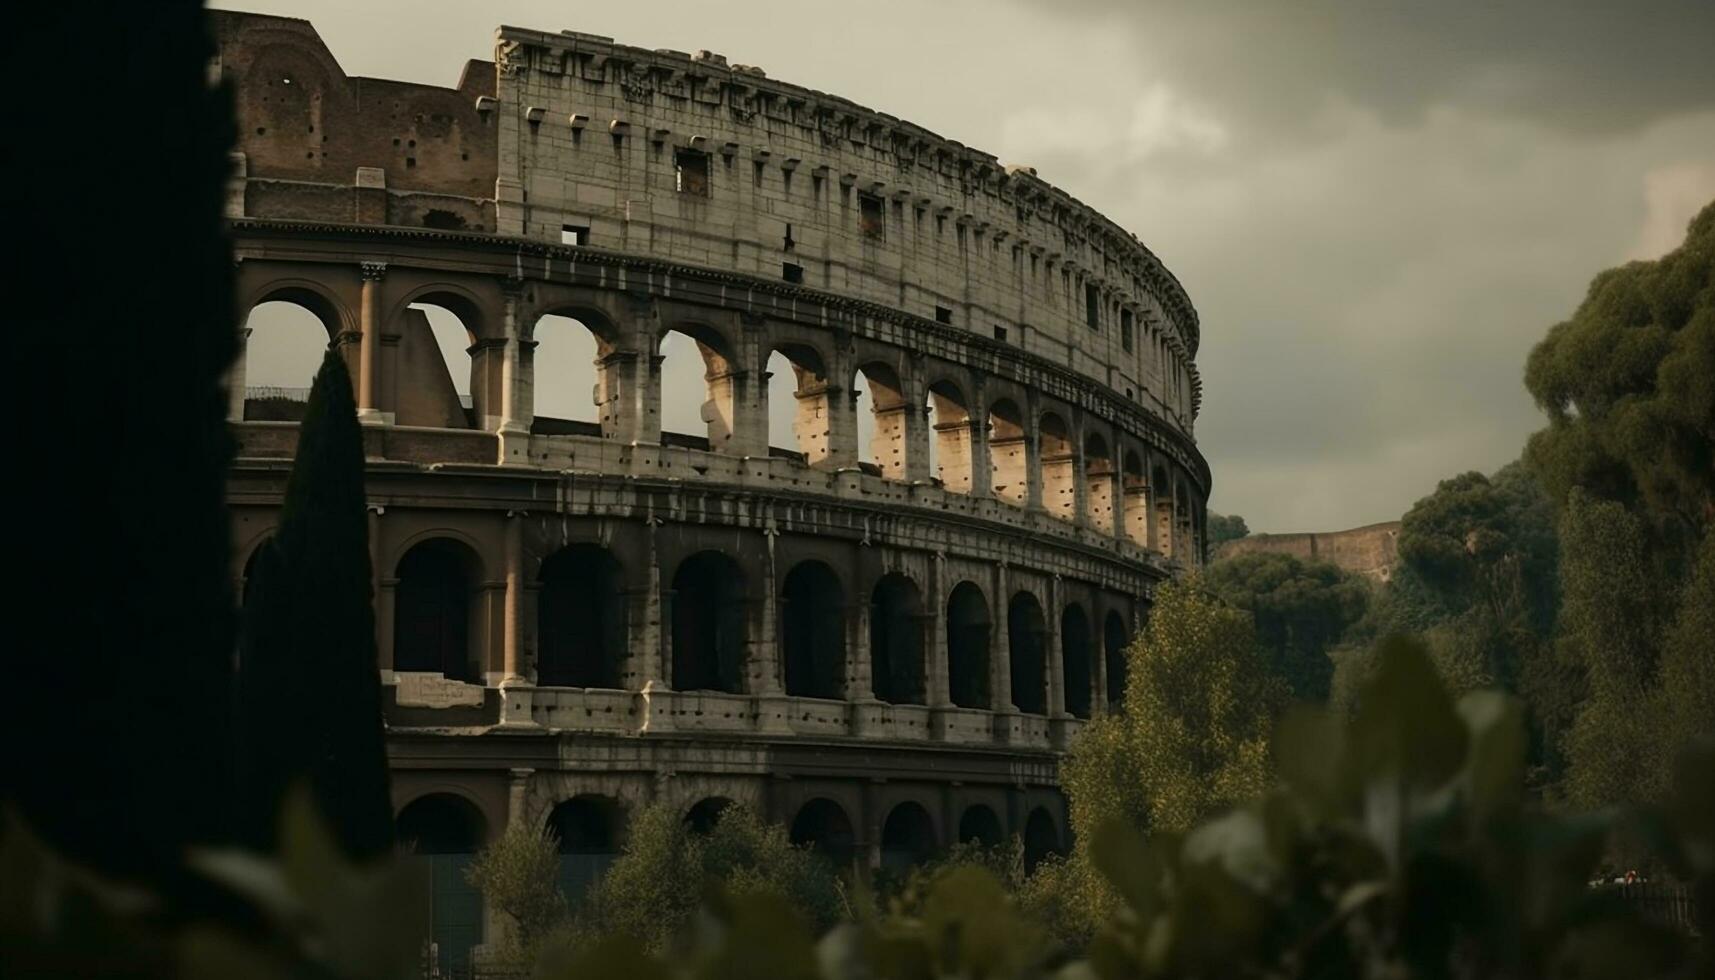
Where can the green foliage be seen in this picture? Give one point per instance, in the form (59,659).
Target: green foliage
(652,892)
(1301,610)
(519,874)
(1225,527)
(1629,387)
(309,639)
(1397,846)
(1193,736)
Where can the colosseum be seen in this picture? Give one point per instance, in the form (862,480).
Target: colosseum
(878,622)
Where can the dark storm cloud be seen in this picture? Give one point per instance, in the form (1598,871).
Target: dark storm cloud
(1583,65)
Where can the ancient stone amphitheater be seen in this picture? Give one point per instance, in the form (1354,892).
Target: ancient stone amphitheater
(883,646)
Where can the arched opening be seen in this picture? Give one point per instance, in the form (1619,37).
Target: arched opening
(696,359)
(1114,640)
(907,838)
(896,640)
(250,570)
(1075,660)
(1009,453)
(441,375)
(887,446)
(1136,503)
(709,624)
(287,341)
(566,375)
(433,605)
(980,825)
(1041,838)
(1099,482)
(799,417)
(444,832)
(590,831)
(813,631)
(968,631)
(1059,486)
(1163,493)
(951,442)
(823,824)
(707,812)
(580,619)
(1027,637)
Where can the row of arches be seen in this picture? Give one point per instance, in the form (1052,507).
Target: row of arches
(576,372)
(711,611)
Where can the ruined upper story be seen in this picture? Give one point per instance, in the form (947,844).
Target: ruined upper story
(573,139)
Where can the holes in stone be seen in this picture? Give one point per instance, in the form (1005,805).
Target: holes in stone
(792,272)
(1000,333)
(691,172)
(410,162)
(261,130)
(872,218)
(943,315)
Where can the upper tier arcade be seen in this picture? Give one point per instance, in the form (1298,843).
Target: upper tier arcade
(573,139)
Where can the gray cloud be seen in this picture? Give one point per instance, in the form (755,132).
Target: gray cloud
(1586,65)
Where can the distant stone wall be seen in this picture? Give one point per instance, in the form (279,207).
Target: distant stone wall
(1372,550)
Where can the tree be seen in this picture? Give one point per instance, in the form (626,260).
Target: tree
(1226,527)
(1628,384)
(519,874)
(1301,610)
(309,685)
(1193,737)
(119,731)
(667,869)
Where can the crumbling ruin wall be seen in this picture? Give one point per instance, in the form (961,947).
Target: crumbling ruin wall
(1371,551)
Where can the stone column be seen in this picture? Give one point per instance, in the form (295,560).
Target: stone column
(1000,656)
(917,434)
(648,644)
(369,355)
(381,587)
(235,378)
(935,691)
(1055,661)
(515,378)
(518,796)
(511,665)
(762,660)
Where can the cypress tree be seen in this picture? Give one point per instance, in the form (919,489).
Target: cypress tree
(309,690)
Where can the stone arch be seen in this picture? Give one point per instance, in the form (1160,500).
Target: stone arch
(889,443)
(824,826)
(1162,491)
(907,837)
(1059,462)
(1078,680)
(436,610)
(980,825)
(252,554)
(1041,838)
(969,632)
(1027,638)
(724,383)
(444,831)
(580,619)
(282,348)
(1115,638)
(955,454)
(896,627)
(1009,452)
(706,812)
(813,631)
(589,831)
(1135,499)
(1099,473)
(442,359)
(710,628)
(798,401)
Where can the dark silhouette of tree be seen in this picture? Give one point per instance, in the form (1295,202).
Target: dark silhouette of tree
(309,690)
(117,722)
(1224,528)
(1301,609)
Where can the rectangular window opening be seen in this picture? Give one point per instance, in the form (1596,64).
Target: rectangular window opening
(574,234)
(872,217)
(1125,329)
(691,172)
(792,272)
(1092,306)
(1000,333)
(943,315)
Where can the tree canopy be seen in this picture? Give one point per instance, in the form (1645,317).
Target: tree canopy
(1629,387)
(1301,609)
(1226,527)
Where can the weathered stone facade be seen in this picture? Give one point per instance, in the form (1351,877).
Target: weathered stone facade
(683,617)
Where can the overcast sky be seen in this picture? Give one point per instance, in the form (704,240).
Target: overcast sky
(1377,207)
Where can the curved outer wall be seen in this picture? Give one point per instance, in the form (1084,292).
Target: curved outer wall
(771,626)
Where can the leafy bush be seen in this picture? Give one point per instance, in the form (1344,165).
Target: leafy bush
(519,874)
